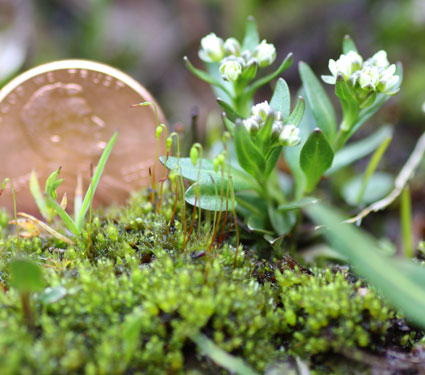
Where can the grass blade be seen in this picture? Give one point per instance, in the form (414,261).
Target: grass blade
(67,220)
(47,228)
(95,181)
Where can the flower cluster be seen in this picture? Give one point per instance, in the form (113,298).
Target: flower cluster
(236,62)
(261,113)
(375,74)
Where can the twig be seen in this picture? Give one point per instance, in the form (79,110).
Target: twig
(401,180)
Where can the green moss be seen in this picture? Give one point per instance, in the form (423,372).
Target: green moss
(133,301)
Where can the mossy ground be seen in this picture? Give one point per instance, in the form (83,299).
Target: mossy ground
(130,302)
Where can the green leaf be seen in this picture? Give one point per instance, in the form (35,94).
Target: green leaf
(251,38)
(249,156)
(26,276)
(38,196)
(253,203)
(52,183)
(67,220)
(380,184)
(399,286)
(272,159)
(373,164)
(348,45)
(258,224)
(230,125)
(204,76)
(315,158)
(95,181)
(263,139)
(319,102)
(301,203)
(241,179)
(281,99)
(282,221)
(350,106)
(406,222)
(53,294)
(357,150)
(253,87)
(231,114)
(297,114)
(292,154)
(207,197)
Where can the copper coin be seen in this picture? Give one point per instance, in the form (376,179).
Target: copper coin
(63,114)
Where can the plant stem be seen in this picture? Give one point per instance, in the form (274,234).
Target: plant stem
(406,222)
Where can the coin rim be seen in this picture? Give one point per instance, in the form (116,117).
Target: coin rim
(79,64)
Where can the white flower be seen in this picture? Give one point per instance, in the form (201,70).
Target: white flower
(277,127)
(231,69)
(388,79)
(289,136)
(265,53)
(262,110)
(345,65)
(212,48)
(379,59)
(232,47)
(369,78)
(252,124)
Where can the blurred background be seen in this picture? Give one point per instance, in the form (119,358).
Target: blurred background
(148,39)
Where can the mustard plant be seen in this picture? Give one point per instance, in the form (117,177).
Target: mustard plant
(307,137)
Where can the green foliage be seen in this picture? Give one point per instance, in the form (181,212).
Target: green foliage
(26,276)
(400,286)
(319,102)
(315,158)
(138,304)
(48,205)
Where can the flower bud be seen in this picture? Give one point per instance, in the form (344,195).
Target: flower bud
(277,128)
(265,53)
(212,48)
(250,70)
(252,124)
(232,47)
(289,136)
(262,110)
(369,78)
(230,70)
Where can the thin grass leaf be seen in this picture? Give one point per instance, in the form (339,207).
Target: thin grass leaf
(52,183)
(95,181)
(38,196)
(252,88)
(47,228)
(229,362)
(406,222)
(364,255)
(67,220)
(373,164)
(357,150)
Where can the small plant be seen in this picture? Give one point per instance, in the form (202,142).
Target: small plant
(263,133)
(49,207)
(26,278)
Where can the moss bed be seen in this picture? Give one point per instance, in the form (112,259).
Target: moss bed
(130,302)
